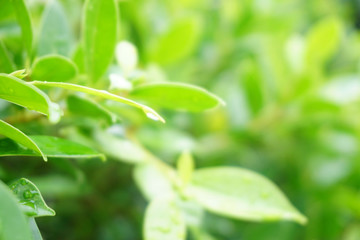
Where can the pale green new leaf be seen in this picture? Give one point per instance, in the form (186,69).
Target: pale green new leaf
(164,220)
(24,94)
(54,68)
(15,134)
(185,167)
(30,198)
(150,113)
(55,35)
(13,222)
(50,147)
(100,25)
(177,96)
(242,194)
(177,43)
(23,18)
(6,64)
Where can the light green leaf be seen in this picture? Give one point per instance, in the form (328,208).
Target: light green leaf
(323,40)
(150,113)
(50,147)
(164,220)
(177,43)
(177,96)
(55,36)
(23,18)
(242,194)
(21,74)
(13,222)
(24,94)
(6,64)
(185,167)
(30,198)
(80,106)
(19,137)
(54,68)
(34,229)
(100,25)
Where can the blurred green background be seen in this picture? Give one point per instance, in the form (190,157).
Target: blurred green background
(288,71)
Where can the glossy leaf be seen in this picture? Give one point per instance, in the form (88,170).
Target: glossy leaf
(55,35)
(177,43)
(54,68)
(177,96)
(30,198)
(150,113)
(6,64)
(164,220)
(24,94)
(13,222)
(80,106)
(19,137)
(50,147)
(100,25)
(242,194)
(23,18)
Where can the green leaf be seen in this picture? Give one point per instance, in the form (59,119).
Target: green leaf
(150,113)
(242,194)
(34,229)
(24,21)
(323,40)
(83,107)
(177,43)
(177,96)
(24,94)
(100,25)
(50,147)
(30,198)
(185,167)
(19,137)
(164,220)
(55,35)
(6,64)
(13,222)
(54,68)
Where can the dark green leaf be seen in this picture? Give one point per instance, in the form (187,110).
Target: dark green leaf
(100,25)
(6,64)
(13,222)
(54,68)
(177,96)
(30,199)
(19,137)
(51,147)
(55,36)
(24,94)
(241,194)
(164,220)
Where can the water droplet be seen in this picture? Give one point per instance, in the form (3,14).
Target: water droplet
(27,194)
(23,182)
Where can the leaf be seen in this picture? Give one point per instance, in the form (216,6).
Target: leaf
(323,40)
(55,35)
(177,43)
(242,194)
(23,18)
(50,147)
(19,137)
(151,181)
(34,229)
(177,96)
(54,68)
(13,223)
(150,113)
(83,107)
(185,167)
(6,64)
(163,220)
(100,25)
(30,199)
(24,94)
